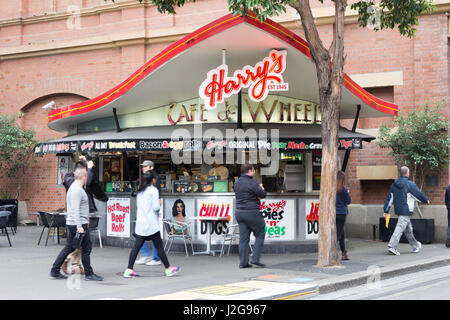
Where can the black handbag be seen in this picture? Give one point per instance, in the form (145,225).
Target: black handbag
(77,240)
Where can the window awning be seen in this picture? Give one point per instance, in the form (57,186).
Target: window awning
(286,138)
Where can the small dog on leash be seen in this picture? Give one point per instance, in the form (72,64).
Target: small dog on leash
(72,264)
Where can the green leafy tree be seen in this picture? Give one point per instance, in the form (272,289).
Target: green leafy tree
(383,14)
(421,142)
(16,148)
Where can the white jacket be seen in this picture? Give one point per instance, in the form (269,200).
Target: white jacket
(147,212)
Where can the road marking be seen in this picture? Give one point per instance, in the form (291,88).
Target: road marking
(222,290)
(292,296)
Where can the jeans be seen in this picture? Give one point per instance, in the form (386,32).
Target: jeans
(340,224)
(140,240)
(145,251)
(404,225)
(448,229)
(86,247)
(250,222)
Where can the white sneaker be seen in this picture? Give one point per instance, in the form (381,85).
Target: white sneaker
(153,263)
(394,251)
(417,250)
(143,260)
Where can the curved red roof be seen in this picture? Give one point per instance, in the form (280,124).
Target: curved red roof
(197,36)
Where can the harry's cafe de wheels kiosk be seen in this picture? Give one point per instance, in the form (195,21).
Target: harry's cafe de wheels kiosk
(233,74)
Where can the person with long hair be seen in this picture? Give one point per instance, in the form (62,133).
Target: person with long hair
(147,225)
(342,200)
(179,217)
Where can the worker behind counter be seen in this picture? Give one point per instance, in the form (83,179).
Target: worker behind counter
(219,170)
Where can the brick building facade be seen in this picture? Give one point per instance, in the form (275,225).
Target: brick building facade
(69,51)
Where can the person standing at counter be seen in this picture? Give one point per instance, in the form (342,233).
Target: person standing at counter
(147,224)
(147,166)
(248,193)
(342,200)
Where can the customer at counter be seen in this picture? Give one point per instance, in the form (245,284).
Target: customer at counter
(248,193)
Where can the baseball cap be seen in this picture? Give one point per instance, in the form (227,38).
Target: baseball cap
(148,163)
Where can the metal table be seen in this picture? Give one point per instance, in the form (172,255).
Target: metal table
(211,220)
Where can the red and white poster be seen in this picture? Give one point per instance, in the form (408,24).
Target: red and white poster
(312,218)
(214,208)
(279,215)
(118,217)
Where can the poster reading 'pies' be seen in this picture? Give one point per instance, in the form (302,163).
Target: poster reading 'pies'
(312,218)
(279,216)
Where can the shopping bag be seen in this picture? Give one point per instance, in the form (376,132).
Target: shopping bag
(72,264)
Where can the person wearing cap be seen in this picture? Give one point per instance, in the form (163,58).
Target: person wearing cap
(145,258)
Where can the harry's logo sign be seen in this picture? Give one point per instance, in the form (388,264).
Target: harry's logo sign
(265,76)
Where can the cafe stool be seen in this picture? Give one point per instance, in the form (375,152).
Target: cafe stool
(229,235)
(4,218)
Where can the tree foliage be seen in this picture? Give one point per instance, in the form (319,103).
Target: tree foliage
(16,146)
(421,141)
(384,14)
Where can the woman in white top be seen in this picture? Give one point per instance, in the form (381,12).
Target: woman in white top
(147,225)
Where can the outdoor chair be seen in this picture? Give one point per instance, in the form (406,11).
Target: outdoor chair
(12,220)
(229,235)
(4,217)
(185,235)
(51,221)
(93,226)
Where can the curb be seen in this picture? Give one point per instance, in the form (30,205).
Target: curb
(361,278)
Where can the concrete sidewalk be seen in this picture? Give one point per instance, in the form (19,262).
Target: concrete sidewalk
(24,270)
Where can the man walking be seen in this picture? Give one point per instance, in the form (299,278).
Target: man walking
(403,194)
(248,215)
(77,221)
(148,165)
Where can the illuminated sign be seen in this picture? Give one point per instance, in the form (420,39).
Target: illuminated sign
(265,76)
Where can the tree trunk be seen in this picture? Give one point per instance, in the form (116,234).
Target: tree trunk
(330,76)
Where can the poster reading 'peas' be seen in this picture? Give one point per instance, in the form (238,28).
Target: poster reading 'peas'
(279,215)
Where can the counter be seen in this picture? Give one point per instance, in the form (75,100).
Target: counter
(290,217)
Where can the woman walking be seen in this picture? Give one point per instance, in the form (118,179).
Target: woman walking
(147,225)
(342,200)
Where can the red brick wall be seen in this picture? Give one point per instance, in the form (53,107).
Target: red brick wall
(423,61)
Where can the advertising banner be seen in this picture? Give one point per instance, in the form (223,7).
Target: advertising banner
(214,208)
(118,217)
(312,219)
(280,219)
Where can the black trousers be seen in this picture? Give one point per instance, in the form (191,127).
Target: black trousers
(139,242)
(340,224)
(86,248)
(250,222)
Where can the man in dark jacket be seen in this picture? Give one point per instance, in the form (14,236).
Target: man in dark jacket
(248,215)
(447,204)
(403,194)
(92,187)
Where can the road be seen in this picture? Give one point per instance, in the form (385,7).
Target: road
(433,284)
